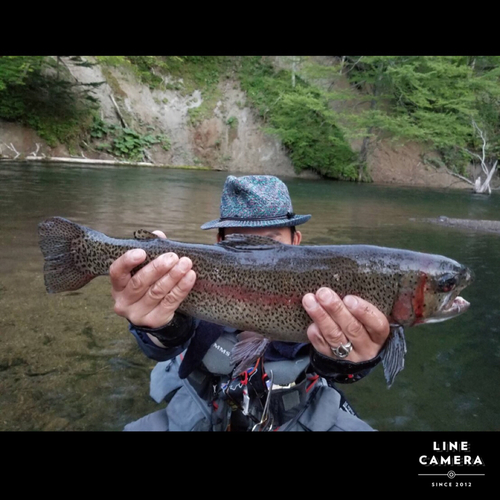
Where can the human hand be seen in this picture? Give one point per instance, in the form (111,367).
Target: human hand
(150,297)
(337,321)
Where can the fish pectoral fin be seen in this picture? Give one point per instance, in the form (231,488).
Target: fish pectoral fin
(246,352)
(144,234)
(244,242)
(393,353)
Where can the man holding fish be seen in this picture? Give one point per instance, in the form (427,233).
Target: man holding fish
(195,374)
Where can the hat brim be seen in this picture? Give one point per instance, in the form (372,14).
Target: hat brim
(294,221)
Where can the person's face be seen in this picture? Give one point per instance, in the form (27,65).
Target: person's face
(281,234)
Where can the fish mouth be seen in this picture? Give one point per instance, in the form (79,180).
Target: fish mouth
(453,308)
(457,306)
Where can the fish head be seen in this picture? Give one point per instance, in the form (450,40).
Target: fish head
(432,294)
(442,298)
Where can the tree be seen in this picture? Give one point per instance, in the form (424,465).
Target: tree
(299,115)
(429,99)
(39,92)
(488,163)
(14,70)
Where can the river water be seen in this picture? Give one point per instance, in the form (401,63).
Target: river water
(67,362)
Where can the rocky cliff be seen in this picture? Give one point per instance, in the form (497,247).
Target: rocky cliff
(231,138)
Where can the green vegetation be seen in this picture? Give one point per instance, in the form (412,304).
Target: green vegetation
(300,116)
(450,104)
(232,121)
(184,74)
(199,72)
(15,70)
(35,91)
(38,92)
(149,69)
(434,100)
(125,142)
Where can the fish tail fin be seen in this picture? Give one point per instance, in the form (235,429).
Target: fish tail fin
(246,352)
(393,354)
(61,272)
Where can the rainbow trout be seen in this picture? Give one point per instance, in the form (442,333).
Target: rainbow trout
(255,283)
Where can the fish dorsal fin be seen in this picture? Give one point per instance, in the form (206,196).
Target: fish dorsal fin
(144,234)
(242,242)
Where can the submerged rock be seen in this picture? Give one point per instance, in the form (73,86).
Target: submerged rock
(490,226)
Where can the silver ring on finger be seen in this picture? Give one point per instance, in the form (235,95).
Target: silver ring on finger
(342,351)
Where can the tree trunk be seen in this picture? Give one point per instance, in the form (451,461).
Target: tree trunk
(485,186)
(363,154)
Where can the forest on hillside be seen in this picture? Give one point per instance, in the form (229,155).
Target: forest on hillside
(327,113)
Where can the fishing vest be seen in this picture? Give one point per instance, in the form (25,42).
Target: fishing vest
(208,399)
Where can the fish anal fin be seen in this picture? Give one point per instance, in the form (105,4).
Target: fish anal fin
(64,277)
(393,353)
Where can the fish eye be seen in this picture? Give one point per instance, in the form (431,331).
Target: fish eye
(446,283)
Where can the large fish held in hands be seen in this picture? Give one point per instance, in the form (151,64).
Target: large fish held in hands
(255,283)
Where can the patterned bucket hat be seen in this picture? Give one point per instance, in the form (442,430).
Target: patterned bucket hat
(255,201)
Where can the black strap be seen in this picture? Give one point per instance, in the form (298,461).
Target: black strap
(288,215)
(172,334)
(342,371)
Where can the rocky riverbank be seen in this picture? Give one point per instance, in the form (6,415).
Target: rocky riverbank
(230,137)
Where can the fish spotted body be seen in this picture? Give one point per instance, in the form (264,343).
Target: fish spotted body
(257,284)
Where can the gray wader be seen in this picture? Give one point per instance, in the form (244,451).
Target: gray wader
(200,402)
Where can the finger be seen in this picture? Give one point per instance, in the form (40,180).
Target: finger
(141,281)
(341,316)
(164,311)
(182,286)
(167,285)
(374,321)
(321,345)
(165,291)
(161,234)
(318,341)
(119,271)
(327,327)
